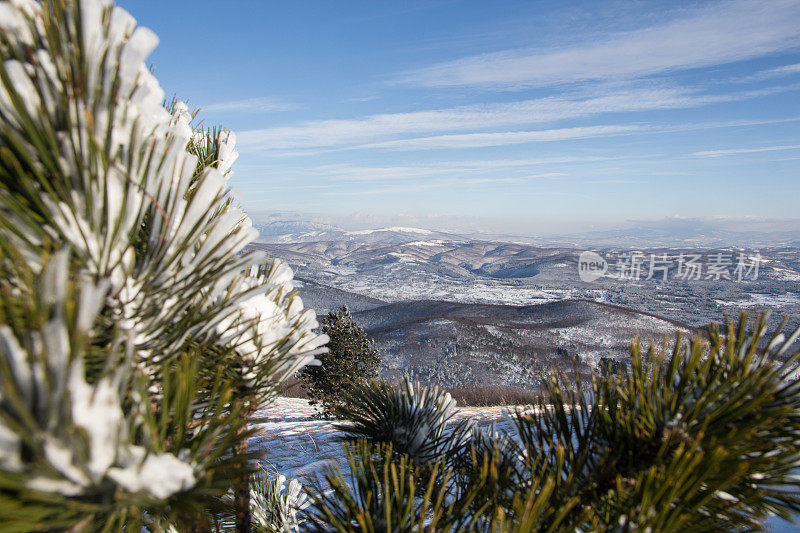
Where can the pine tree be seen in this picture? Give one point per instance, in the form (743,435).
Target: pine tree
(352,360)
(136,333)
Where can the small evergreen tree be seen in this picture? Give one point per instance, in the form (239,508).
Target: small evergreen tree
(352,360)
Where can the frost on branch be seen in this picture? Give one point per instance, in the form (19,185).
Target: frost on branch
(275,505)
(117,163)
(110,381)
(77,439)
(271,319)
(118,158)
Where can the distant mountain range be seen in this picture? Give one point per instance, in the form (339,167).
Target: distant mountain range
(479,271)
(683,233)
(672,232)
(464,309)
(276,227)
(294,231)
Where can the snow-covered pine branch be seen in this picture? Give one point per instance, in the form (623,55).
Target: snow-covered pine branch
(124,265)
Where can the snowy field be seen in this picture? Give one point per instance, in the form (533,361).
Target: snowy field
(297,445)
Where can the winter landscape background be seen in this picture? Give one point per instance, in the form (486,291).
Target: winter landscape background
(508,197)
(440,166)
(505,310)
(477,309)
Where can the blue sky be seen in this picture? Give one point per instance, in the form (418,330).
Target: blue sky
(532,115)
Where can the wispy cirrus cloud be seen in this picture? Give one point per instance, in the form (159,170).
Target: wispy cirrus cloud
(738,151)
(345,173)
(785,70)
(354,180)
(382,127)
(476,140)
(479,140)
(527,162)
(352,172)
(452,182)
(777,72)
(374,173)
(250,105)
(613,182)
(720,33)
(342,176)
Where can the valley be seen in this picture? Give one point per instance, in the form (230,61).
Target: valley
(455,311)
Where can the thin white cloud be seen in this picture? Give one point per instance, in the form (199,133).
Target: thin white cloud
(347,172)
(479,140)
(506,163)
(368,129)
(345,176)
(357,99)
(613,182)
(783,71)
(723,32)
(545,175)
(726,124)
(475,140)
(364,173)
(490,180)
(437,174)
(368,172)
(454,183)
(737,151)
(778,72)
(250,105)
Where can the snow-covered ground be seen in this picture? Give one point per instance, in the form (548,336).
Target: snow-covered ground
(297,445)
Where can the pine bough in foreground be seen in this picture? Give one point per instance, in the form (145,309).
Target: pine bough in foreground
(135,334)
(705,437)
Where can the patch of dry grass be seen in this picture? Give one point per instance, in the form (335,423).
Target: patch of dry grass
(292,388)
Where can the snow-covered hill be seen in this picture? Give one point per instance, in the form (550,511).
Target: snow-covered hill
(450,344)
(268,233)
(473,271)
